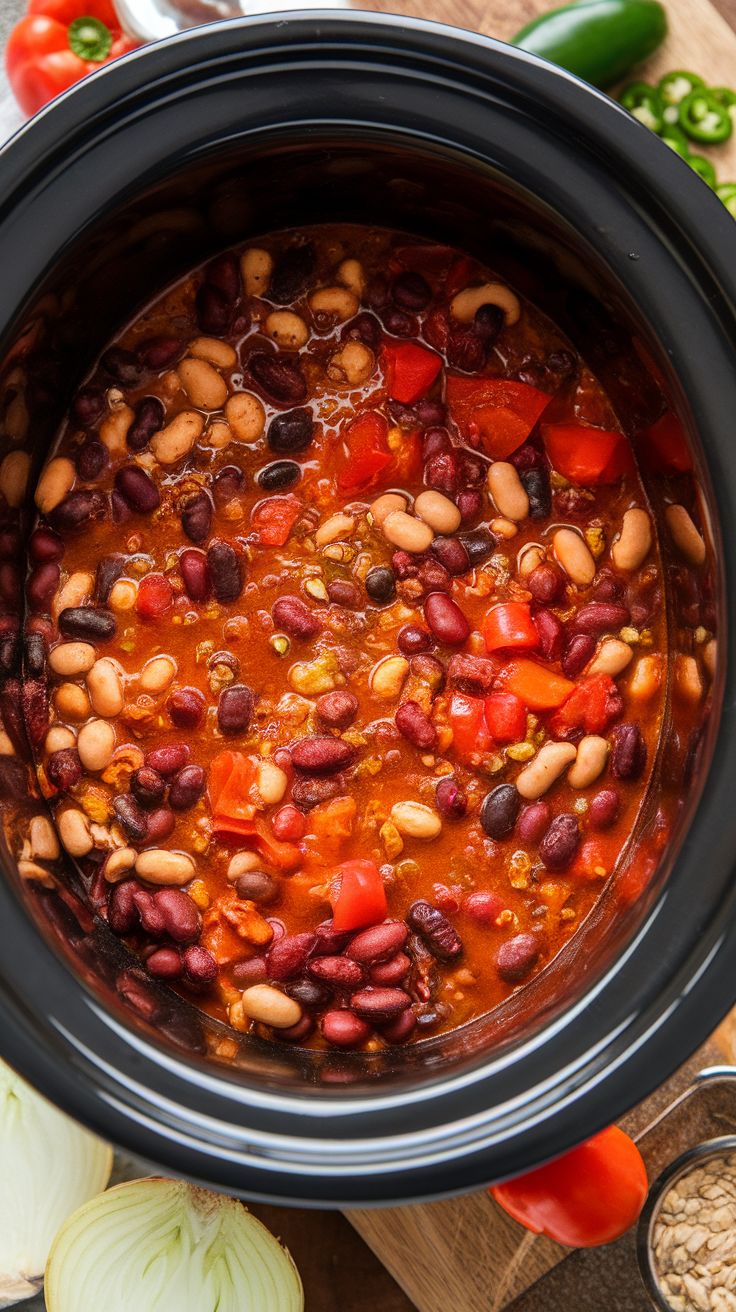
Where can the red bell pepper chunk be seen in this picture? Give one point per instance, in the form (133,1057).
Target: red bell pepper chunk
(666,447)
(361,900)
(154,597)
(587,456)
(410,370)
(593,705)
(232,774)
(501,413)
(538,687)
(367,451)
(274,519)
(505,716)
(509,624)
(470,733)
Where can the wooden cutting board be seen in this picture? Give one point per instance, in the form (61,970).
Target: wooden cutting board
(466,1254)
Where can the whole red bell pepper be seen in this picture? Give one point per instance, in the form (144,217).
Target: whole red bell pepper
(57,44)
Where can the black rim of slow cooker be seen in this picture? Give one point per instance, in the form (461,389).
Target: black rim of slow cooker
(676,979)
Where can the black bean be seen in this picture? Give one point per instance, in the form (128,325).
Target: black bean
(291,274)
(400,323)
(280,379)
(147,786)
(308,793)
(560,843)
(196,518)
(34,657)
(488,323)
(88,406)
(380,584)
(411,291)
(92,459)
(214,310)
(453,554)
(479,546)
(308,993)
(629,752)
(122,366)
(77,510)
(131,817)
(500,810)
(537,487)
(440,936)
(87,624)
(187,787)
(290,432)
(257,886)
(226,571)
(159,352)
(364,328)
(279,475)
(109,570)
(10,652)
(235,708)
(149,418)
(138,489)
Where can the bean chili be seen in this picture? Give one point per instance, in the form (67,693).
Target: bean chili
(352,596)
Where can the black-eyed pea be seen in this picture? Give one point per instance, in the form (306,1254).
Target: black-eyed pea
(611,658)
(508,491)
(269,1006)
(218,435)
(406,532)
(352,365)
(71,702)
(114,430)
(241,863)
(334,303)
(43,839)
(176,440)
(256,267)
(56,481)
(59,738)
(214,352)
(204,386)
(573,555)
(466,304)
(105,688)
(688,683)
(73,828)
(646,677)
(246,416)
(589,762)
(157,674)
(123,595)
(685,535)
(352,275)
(78,589)
(71,658)
(710,657)
(547,766)
(634,542)
(119,864)
(387,678)
(287,329)
(504,528)
(272,782)
(382,507)
(439,512)
(96,744)
(415,820)
(14,472)
(159,866)
(529,559)
(334,529)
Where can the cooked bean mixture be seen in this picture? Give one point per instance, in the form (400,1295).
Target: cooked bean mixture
(351,596)
(695,1239)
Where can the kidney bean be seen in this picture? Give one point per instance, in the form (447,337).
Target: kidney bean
(199,964)
(322,756)
(451,800)
(433,575)
(440,936)
(288,956)
(550,633)
(400,1029)
(76,510)
(445,619)
(470,505)
(443,472)
(479,546)
(282,383)
(291,274)
(364,328)
(413,639)
(34,655)
(466,350)
(147,787)
(109,570)
(337,709)
(484,906)
(599,617)
(167,760)
(87,624)
(379,943)
(279,475)
(516,957)
(500,810)
(138,489)
(343,1029)
(9,585)
(159,352)
(161,824)
(533,823)
(13,779)
(546,583)
(416,726)
(536,484)
(88,407)
(186,707)
(122,366)
(150,417)
(121,511)
(45,546)
(405,565)
(228,484)
(330,942)
(560,843)
(295,618)
(250,972)
(337,972)
(606,587)
(343,593)
(35,704)
(257,886)
(195,573)
(187,787)
(225,571)
(91,460)
(42,585)
(224,272)
(603,808)
(235,708)
(379,1006)
(131,817)
(452,555)
(411,291)
(165,963)
(430,670)
(380,584)
(196,518)
(400,323)
(308,793)
(64,768)
(9,542)
(181,916)
(388,973)
(579,649)
(214,311)
(628,752)
(297,1033)
(435,441)
(122,916)
(291,432)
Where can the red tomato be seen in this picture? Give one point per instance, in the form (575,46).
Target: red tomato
(410,370)
(367,451)
(590,1196)
(505,717)
(361,900)
(39,59)
(501,413)
(586,456)
(155,595)
(469,728)
(594,704)
(510,624)
(274,519)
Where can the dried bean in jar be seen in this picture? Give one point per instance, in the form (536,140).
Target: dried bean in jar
(516,957)
(279,475)
(131,817)
(536,484)
(196,518)
(452,554)
(380,584)
(451,800)
(186,707)
(147,787)
(292,431)
(280,380)
(87,624)
(337,709)
(257,886)
(76,510)
(560,843)
(499,811)
(628,752)
(225,571)
(149,419)
(137,489)
(187,787)
(440,936)
(235,708)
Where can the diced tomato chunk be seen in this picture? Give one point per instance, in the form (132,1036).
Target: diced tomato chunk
(499,412)
(593,705)
(538,687)
(510,624)
(587,456)
(367,451)
(155,596)
(470,732)
(410,370)
(505,717)
(595,859)
(361,900)
(233,800)
(274,519)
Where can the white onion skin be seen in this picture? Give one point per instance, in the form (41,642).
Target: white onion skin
(158,1245)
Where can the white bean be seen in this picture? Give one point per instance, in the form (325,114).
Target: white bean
(387,678)
(105,688)
(241,863)
(159,866)
(685,535)
(203,385)
(72,658)
(96,744)
(123,595)
(71,702)
(256,266)
(353,364)
(632,547)
(73,829)
(214,351)
(334,528)
(406,532)
(590,761)
(383,506)
(176,440)
(688,683)
(58,738)
(157,674)
(529,558)
(438,511)
(351,275)
(55,482)
(218,435)
(119,863)
(574,556)
(547,766)
(611,658)
(43,839)
(14,473)
(646,678)
(272,782)
(287,328)
(508,491)
(710,657)
(77,589)
(270,1006)
(415,820)
(466,304)
(246,416)
(337,302)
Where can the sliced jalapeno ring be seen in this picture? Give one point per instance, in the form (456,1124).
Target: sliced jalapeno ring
(673,87)
(703,168)
(675,138)
(724,95)
(645,103)
(703,118)
(726,191)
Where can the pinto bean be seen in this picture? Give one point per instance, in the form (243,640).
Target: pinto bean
(685,535)
(176,440)
(225,571)
(547,766)
(186,707)
(287,956)
(138,489)
(235,708)
(147,787)
(439,935)
(445,619)
(500,810)
(517,956)
(196,518)
(131,817)
(205,387)
(629,752)
(295,618)
(311,792)
(406,532)
(56,481)
(270,1006)
(507,491)
(438,511)
(560,843)
(337,709)
(379,943)
(416,726)
(612,658)
(322,756)
(415,820)
(105,689)
(256,267)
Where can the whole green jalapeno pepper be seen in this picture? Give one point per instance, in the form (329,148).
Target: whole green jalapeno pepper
(598,40)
